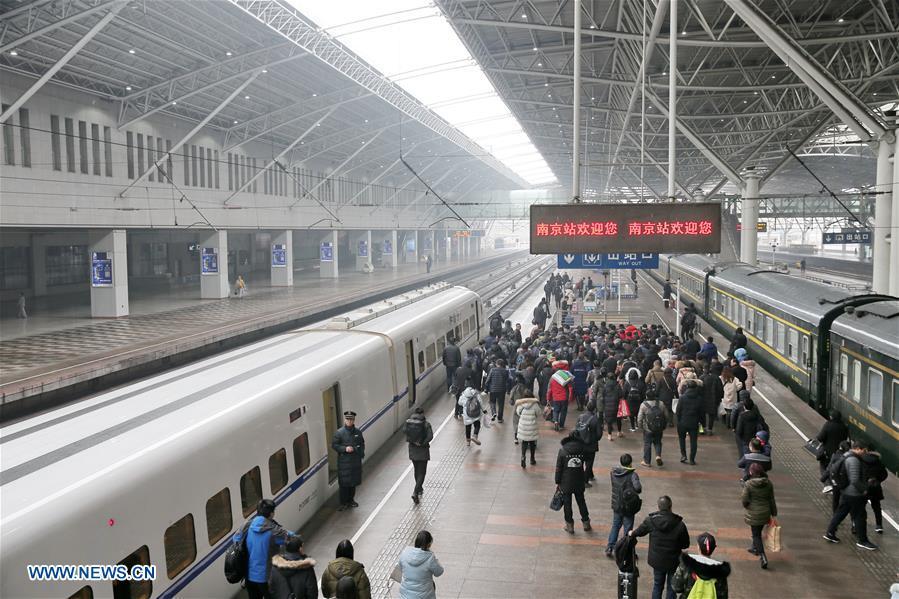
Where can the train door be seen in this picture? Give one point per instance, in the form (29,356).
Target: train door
(410,372)
(332,412)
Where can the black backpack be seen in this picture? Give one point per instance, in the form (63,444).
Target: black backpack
(415,431)
(839,474)
(236,557)
(633,395)
(586,428)
(655,419)
(630,499)
(473,407)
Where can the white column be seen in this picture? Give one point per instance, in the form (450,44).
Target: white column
(883,209)
(389,251)
(282,259)
(672,97)
(894,226)
(327,255)
(214,265)
(363,250)
(433,247)
(109,273)
(749,237)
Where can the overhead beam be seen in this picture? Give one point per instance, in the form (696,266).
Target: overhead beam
(197,128)
(103,22)
(53,26)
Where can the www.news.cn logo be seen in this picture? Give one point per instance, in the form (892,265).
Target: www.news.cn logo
(94,572)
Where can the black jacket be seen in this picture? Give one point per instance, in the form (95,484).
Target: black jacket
(830,436)
(462,378)
(749,423)
(712,392)
(738,341)
(611,395)
(293,577)
(618,476)
(668,536)
(421,451)
(349,465)
(702,567)
(452,356)
(691,347)
(570,465)
(690,408)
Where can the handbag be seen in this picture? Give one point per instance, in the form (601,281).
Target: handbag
(624,410)
(557,501)
(816,448)
(548,412)
(236,557)
(771,536)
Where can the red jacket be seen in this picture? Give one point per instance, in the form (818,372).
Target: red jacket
(557,392)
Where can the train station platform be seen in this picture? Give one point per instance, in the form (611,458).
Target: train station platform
(496,536)
(59,353)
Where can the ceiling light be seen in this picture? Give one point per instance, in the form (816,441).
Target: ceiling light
(314,95)
(366,120)
(228,53)
(127,88)
(554,108)
(546,85)
(246,97)
(13,53)
(592,98)
(683,33)
(173,103)
(318,124)
(524,16)
(264,71)
(235,122)
(535,48)
(592,26)
(755,93)
(875,93)
(840,20)
(745,101)
(539,64)
(131,51)
(774,76)
(302,143)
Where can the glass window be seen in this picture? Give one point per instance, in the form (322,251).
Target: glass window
(844,373)
(441,344)
(805,350)
(134,589)
(250,491)
(472,324)
(129,144)
(431,354)
(301,453)
(70,145)
(856,380)
(95,148)
(25,136)
(792,345)
(66,264)
(421,362)
(277,470)
(180,546)
(466,329)
(748,320)
(780,336)
(218,515)
(875,391)
(15,267)
(896,403)
(83,593)
(769,331)
(457,334)
(55,149)
(107,150)
(82,146)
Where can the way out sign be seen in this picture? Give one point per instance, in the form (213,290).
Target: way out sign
(608,261)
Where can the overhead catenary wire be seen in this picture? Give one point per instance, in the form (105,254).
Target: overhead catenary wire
(436,195)
(824,186)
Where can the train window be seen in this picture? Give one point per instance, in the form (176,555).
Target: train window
(450,338)
(805,350)
(83,593)
(431,354)
(134,589)
(792,345)
(760,326)
(896,403)
(856,380)
(441,344)
(301,453)
(844,373)
(769,331)
(421,362)
(875,391)
(250,490)
(218,515)
(457,333)
(748,320)
(471,323)
(780,336)
(180,546)
(466,328)
(741,312)
(277,470)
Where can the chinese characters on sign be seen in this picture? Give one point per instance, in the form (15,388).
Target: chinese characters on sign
(609,261)
(848,236)
(641,228)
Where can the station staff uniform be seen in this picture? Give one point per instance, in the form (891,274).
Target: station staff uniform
(349,444)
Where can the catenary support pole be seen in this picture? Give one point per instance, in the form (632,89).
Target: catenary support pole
(672,98)
(677,309)
(576,107)
(894,225)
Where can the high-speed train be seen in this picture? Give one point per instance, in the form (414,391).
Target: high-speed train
(164,471)
(835,349)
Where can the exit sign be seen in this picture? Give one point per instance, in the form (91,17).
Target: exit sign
(760,227)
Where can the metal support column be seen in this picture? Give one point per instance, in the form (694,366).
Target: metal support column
(749,237)
(576,108)
(883,209)
(672,98)
(894,225)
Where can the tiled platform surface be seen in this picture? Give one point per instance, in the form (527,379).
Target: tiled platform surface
(67,347)
(496,536)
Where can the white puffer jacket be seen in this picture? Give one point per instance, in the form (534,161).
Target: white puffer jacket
(528,413)
(463,401)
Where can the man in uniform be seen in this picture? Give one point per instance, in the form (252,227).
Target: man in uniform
(350,447)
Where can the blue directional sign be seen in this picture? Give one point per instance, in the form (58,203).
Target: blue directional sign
(608,261)
(101,269)
(363,249)
(848,236)
(388,246)
(327,252)
(279,255)
(209,261)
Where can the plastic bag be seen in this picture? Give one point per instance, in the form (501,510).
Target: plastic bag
(771,536)
(624,410)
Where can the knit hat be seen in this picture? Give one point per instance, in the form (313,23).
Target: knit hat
(740,354)
(707,544)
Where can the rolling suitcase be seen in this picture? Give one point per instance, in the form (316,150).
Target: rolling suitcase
(627,585)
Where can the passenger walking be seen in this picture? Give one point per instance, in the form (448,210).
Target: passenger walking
(452,359)
(346,588)
(570,480)
(560,392)
(626,501)
(589,429)
(473,408)
(668,536)
(263,538)
(749,422)
(419,435)
(710,574)
(634,390)
(463,378)
(666,294)
(20,306)
(758,501)
(342,566)
(689,412)
(419,567)
(832,433)
(428,262)
(730,387)
(580,368)
(712,395)
(754,456)
(876,473)
(240,287)
(828,477)
(611,398)
(745,369)
(293,574)
(853,485)
(527,414)
(349,444)
(652,419)
(737,342)
(497,384)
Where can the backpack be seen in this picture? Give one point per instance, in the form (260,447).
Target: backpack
(586,428)
(703,589)
(473,407)
(630,499)
(839,474)
(655,419)
(236,557)
(633,395)
(415,431)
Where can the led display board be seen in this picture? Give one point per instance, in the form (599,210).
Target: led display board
(663,227)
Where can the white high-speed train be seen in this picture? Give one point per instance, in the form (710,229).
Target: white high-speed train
(163,472)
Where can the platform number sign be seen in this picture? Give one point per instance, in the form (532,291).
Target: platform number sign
(101,269)
(363,249)
(209,261)
(279,255)
(327,252)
